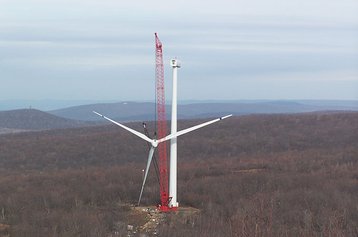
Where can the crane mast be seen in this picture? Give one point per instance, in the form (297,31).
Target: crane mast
(161,125)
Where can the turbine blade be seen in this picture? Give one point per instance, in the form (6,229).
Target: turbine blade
(150,156)
(171,136)
(141,135)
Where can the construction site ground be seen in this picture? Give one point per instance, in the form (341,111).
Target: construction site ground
(144,221)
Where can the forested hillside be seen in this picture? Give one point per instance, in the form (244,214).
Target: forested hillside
(262,175)
(32,119)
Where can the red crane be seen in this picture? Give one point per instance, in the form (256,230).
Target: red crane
(161,125)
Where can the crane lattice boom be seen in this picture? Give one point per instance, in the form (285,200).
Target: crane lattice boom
(161,124)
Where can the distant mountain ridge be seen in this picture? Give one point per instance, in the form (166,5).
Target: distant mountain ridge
(144,111)
(80,116)
(126,111)
(32,119)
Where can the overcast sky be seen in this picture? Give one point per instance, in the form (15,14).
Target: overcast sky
(230,50)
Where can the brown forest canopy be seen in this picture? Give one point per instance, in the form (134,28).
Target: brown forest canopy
(257,175)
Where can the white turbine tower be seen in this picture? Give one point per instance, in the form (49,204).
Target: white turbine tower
(173,137)
(173,142)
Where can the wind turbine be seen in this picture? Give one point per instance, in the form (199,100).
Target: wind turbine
(168,201)
(154,142)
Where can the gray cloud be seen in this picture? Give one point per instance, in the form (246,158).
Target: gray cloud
(92,50)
